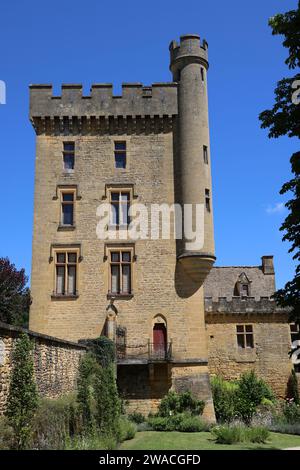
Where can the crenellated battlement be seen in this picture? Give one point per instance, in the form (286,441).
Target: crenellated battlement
(190,49)
(101,109)
(240,305)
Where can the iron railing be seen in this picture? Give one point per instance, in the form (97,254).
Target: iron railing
(160,351)
(150,352)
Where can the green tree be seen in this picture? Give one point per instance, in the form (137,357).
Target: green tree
(22,398)
(98,398)
(88,368)
(14,295)
(108,404)
(251,392)
(284,119)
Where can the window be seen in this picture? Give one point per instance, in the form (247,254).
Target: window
(244,290)
(202,74)
(120,271)
(67,208)
(120,154)
(66,273)
(205,154)
(207,200)
(69,156)
(119,201)
(244,335)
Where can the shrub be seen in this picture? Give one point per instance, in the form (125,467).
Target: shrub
(92,441)
(232,434)
(169,404)
(257,434)
(143,427)
(108,404)
(174,403)
(103,349)
(22,398)
(227,434)
(285,428)
(88,368)
(250,393)
(136,417)
(98,398)
(6,434)
(127,429)
(187,403)
(56,421)
(224,397)
(162,423)
(291,412)
(292,387)
(191,423)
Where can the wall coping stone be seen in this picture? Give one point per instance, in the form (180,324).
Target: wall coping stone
(17,329)
(265,305)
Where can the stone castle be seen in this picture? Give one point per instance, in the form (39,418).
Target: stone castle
(175,318)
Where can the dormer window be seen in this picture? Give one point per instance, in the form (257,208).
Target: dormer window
(244,290)
(242,286)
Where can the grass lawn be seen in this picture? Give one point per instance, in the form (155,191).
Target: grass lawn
(152,440)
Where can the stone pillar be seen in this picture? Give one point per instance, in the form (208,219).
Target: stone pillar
(111,325)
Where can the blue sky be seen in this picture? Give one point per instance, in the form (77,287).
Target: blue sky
(127,41)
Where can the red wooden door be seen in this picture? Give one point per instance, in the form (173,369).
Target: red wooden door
(159,338)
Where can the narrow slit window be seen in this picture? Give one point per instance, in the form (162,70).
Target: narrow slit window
(202,74)
(205,154)
(207,200)
(69,156)
(120,155)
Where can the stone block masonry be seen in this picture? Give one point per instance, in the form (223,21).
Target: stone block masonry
(55,362)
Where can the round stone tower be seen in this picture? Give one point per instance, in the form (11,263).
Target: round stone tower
(189,64)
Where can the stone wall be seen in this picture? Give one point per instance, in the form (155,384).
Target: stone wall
(269,358)
(143,386)
(55,362)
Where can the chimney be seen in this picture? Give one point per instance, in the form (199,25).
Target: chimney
(267,264)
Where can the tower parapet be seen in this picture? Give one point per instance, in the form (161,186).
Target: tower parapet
(101,110)
(189,64)
(189,50)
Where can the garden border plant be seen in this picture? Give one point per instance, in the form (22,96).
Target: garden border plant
(240,399)
(179,412)
(22,400)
